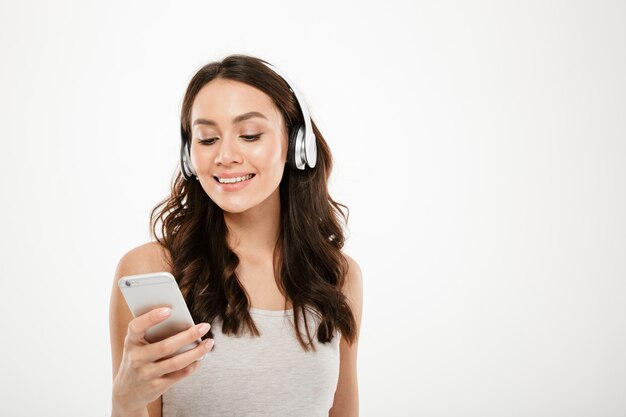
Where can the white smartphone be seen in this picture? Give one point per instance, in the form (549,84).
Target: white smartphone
(145,292)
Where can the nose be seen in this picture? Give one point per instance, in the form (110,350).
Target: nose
(227,152)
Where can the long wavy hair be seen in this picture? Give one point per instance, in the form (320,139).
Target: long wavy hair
(309,267)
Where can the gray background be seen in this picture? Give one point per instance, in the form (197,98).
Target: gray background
(481,147)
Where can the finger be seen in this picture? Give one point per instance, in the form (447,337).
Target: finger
(170,345)
(139,325)
(178,362)
(166,381)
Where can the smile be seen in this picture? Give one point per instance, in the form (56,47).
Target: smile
(233,180)
(231,184)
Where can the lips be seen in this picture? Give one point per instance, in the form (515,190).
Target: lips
(231,174)
(233,182)
(232,178)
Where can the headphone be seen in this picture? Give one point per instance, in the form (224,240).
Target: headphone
(302,142)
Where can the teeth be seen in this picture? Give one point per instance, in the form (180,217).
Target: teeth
(233,180)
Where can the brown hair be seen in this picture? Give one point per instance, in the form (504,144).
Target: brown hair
(309,267)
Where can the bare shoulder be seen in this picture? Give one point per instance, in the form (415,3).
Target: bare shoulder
(354,277)
(353,288)
(149,257)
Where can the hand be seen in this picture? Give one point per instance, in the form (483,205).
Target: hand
(143,375)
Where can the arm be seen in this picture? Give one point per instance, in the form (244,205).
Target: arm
(142,259)
(346,402)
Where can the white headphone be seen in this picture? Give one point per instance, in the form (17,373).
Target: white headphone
(302,142)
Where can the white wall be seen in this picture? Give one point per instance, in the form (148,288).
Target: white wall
(481,148)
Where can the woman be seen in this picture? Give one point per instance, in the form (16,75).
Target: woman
(254,240)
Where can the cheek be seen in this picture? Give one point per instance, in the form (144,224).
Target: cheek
(269,158)
(200,155)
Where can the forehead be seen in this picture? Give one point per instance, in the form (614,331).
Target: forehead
(224,99)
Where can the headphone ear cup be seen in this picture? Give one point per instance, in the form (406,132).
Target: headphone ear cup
(189,163)
(186,164)
(293,145)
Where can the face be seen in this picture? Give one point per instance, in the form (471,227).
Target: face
(238,144)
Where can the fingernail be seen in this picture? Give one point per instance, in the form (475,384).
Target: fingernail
(204,327)
(164,311)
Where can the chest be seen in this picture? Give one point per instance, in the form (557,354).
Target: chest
(268,375)
(259,281)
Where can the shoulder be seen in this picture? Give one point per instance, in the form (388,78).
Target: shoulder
(146,258)
(149,257)
(353,286)
(354,276)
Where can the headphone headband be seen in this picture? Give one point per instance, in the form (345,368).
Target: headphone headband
(306,149)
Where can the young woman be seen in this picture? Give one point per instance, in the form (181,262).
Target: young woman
(255,243)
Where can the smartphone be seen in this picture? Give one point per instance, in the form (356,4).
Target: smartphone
(145,292)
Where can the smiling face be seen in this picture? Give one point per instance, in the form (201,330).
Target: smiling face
(238,144)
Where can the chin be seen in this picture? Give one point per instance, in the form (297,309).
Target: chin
(233,208)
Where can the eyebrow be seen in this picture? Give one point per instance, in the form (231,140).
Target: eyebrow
(236,119)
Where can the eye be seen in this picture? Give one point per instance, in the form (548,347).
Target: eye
(208,141)
(251,138)
(247,138)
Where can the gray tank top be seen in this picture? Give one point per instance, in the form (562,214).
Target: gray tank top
(268,375)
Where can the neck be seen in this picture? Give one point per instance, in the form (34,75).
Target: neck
(255,231)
